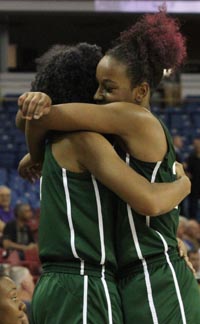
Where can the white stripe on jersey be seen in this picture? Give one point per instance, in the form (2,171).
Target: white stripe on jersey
(174,172)
(174,168)
(100,219)
(110,319)
(140,256)
(178,293)
(146,273)
(147,278)
(82,268)
(69,213)
(153,178)
(85,299)
(41,189)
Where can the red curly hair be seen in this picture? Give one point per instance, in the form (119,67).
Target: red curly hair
(148,47)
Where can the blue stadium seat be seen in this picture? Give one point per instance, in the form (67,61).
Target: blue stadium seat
(8,161)
(3,176)
(10,100)
(196,119)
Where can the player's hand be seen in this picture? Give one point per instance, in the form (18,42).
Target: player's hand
(183,253)
(34,105)
(179,170)
(29,170)
(180,173)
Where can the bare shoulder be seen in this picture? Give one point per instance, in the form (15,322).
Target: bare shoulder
(85,139)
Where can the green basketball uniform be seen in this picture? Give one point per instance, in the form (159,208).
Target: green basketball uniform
(156,286)
(76,248)
(64,298)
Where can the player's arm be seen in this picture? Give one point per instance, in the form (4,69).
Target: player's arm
(98,156)
(116,118)
(19,121)
(35,140)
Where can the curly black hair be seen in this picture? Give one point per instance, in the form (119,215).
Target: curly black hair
(69,75)
(52,51)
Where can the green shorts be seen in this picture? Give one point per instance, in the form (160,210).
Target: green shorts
(68,298)
(160,293)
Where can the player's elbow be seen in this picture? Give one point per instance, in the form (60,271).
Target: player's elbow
(154,211)
(150,207)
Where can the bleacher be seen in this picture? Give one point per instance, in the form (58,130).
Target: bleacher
(12,149)
(183,120)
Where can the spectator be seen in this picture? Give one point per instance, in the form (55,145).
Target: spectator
(182,226)
(182,232)
(24,283)
(17,234)
(194,258)
(192,235)
(178,145)
(193,169)
(12,309)
(5,269)
(6,212)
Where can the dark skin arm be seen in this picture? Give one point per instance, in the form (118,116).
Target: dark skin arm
(97,155)
(40,127)
(136,126)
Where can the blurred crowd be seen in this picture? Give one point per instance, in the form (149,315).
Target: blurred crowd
(190,208)
(19,261)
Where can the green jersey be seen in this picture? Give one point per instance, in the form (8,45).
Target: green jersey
(140,237)
(77,217)
(155,284)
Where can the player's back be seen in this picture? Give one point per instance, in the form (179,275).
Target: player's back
(144,237)
(77,212)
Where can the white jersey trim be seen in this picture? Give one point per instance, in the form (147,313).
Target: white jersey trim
(178,293)
(69,214)
(145,268)
(110,319)
(40,188)
(85,299)
(100,220)
(174,172)
(140,256)
(139,253)
(82,268)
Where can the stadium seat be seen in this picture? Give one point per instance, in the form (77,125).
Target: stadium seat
(32,261)
(3,175)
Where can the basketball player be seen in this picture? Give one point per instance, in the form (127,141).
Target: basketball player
(151,272)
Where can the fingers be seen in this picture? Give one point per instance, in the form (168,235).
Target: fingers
(34,105)
(21,99)
(179,170)
(189,264)
(29,173)
(183,254)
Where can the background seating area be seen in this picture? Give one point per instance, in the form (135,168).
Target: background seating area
(183,120)
(12,149)
(31,261)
